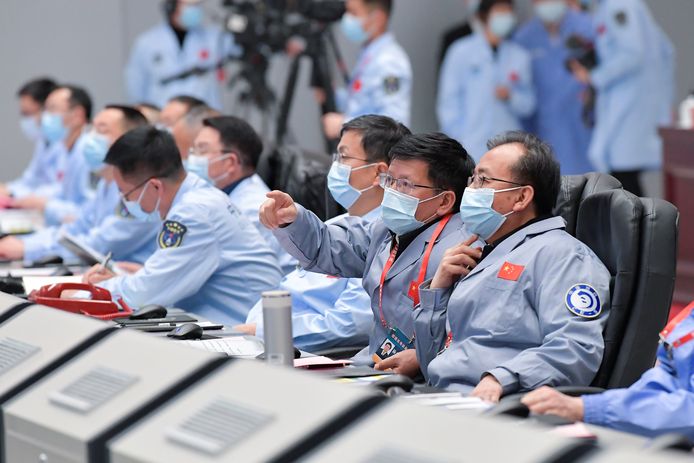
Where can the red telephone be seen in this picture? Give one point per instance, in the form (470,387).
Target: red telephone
(100,305)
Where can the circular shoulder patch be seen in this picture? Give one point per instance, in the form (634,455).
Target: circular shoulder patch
(583,300)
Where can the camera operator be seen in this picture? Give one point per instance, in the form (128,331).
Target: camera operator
(633,79)
(559,116)
(381,82)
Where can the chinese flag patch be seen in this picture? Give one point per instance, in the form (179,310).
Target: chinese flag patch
(356,86)
(204,54)
(602,29)
(510,272)
(413,292)
(514,77)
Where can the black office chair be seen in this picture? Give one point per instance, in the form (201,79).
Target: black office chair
(575,189)
(653,296)
(637,314)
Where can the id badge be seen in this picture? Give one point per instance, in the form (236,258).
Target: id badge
(395,342)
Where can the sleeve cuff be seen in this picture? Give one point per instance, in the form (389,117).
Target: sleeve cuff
(509,381)
(594,409)
(433,299)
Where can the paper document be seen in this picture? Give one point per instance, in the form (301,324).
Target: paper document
(234,346)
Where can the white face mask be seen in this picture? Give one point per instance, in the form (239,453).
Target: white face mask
(398,211)
(200,166)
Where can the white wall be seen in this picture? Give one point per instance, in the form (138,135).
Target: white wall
(87,42)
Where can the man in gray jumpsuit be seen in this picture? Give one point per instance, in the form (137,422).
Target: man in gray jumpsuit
(529,308)
(423,187)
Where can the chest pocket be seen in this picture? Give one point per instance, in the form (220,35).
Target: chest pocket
(500,306)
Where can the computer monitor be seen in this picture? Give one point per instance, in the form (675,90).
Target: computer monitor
(403,431)
(71,413)
(246,411)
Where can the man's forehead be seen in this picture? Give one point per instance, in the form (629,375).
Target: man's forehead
(499,159)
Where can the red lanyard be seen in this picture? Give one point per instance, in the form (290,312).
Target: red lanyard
(422,270)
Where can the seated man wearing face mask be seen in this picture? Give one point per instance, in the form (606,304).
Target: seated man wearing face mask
(67,113)
(209,260)
(423,187)
(328,311)
(102,224)
(40,176)
(225,153)
(529,308)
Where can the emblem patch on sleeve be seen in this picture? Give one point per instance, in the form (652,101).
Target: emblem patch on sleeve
(583,300)
(391,84)
(171,235)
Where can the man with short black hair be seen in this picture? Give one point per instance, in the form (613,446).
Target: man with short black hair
(381,82)
(176,108)
(226,153)
(529,308)
(67,112)
(40,175)
(101,223)
(393,255)
(210,260)
(328,311)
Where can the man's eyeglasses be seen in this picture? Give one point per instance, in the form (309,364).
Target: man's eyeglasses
(402,185)
(478,181)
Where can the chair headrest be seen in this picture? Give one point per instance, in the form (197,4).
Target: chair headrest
(609,222)
(576,188)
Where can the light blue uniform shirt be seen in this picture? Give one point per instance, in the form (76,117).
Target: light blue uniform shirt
(41,175)
(558,116)
(661,402)
(381,82)
(103,225)
(157,55)
(210,260)
(327,311)
(631,84)
(248,195)
(513,317)
(467,107)
(77,184)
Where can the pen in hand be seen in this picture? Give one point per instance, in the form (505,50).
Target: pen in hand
(105,264)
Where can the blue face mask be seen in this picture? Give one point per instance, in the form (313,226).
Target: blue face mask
(502,24)
(52,127)
(94,151)
(398,211)
(136,211)
(200,166)
(338,184)
(477,214)
(551,11)
(30,128)
(191,17)
(353,28)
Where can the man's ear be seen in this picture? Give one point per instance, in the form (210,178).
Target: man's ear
(447,202)
(525,198)
(381,168)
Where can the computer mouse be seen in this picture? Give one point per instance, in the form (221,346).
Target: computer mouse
(186,331)
(394,384)
(148,312)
